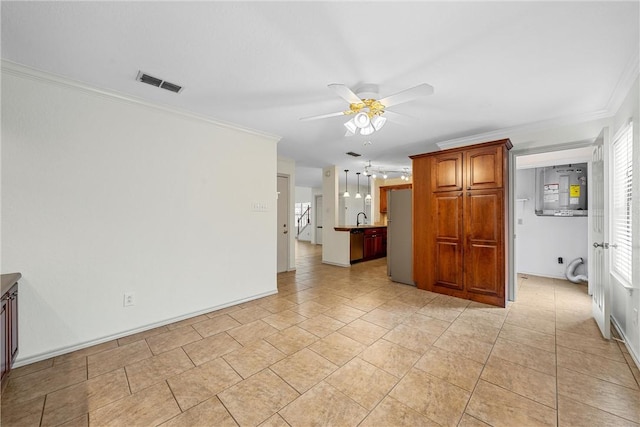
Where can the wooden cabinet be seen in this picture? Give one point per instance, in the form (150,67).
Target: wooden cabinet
(460,223)
(375,243)
(383,194)
(8,323)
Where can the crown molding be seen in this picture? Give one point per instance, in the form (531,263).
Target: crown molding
(23,71)
(529,127)
(625,83)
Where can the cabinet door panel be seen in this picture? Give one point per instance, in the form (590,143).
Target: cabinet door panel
(448,265)
(446,172)
(484,168)
(448,240)
(4,341)
(483,216)
(482,269)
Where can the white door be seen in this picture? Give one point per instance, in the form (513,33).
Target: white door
(599,260)
(318,212)
(283,223)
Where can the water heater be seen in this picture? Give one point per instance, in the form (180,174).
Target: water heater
(561,190)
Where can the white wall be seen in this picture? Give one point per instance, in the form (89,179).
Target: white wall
(540,240)
(335,244)
(625,302)
(103,195)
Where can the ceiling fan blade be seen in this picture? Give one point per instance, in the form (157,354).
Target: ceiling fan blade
(407,95)
(345,93)
(322,116)
(401,119)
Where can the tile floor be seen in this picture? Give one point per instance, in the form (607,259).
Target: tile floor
(346,347)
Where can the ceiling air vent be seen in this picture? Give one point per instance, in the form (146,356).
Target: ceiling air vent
(351,153)
(154,81)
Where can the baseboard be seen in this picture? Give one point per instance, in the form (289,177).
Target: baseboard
(633,354)
(68,349)
(336,264)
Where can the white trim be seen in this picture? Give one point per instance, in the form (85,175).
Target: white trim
(634,356)
(624,84)
(18,70)
(336,264)
(64,350)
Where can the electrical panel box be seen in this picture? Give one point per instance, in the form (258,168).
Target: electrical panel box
(562,190)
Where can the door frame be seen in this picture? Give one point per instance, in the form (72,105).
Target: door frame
(512,279)
(315,218)
(290,216)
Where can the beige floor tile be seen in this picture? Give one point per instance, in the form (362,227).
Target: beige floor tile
(499,407)
(337,348)
(572,413)
(596,366)
(450,302)
(277,305)
(364,332)
(414,339)
(157,368)
(250,314)
(252,331)
(321,325)
(524,355)
(464,346)
(323,405)
(427,324)
(208,413)
(451,367)
(274,421)
(215,325)
(303,369)
(201,383)
(331,300)
(386,319)
(81,421)
(151,406)
(532,310)
(366,303)
(28,387)
(362,382)
(117,358)
(476,331)
(31,368)
(544,325)
(390,412)
(442,313)
(22,413)
(257,398)
(310,309)
(142,335)
(577,323)
(253,358)
(528,337)
(469,421)
(284,319)
(173,339)
(211,348)
(483,318)
(618,400)
(591,345)
(526,382)
(81,354)
(187,322)
(398,308)
(344,313)
(291,340)
(434,398)
(225,310)
(632,365)
(79,399)
(391,357)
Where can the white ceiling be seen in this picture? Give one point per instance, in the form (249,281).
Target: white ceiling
(263,65)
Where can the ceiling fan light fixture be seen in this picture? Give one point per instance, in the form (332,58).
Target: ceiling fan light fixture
(367,130)
(362,121)
(351,127)
(378,122)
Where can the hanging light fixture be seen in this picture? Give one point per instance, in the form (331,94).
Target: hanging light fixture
(346,184)
(368,196)
(358,195)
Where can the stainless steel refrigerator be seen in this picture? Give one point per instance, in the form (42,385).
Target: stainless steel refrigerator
(400,236)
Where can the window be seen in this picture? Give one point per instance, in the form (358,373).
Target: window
(621,188)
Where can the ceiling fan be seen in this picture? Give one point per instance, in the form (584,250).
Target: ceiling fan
(369,113)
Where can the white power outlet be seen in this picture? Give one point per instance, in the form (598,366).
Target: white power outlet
(129,299)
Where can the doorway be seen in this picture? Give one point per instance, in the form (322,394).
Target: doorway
(283,223)
(318,220)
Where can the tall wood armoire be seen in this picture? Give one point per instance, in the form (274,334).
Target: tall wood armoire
(460,221)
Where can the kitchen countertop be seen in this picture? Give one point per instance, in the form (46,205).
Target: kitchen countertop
(357,227)
(8,280)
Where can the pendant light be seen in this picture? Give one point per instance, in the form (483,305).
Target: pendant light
(358,195)
(346,184)
(368,196)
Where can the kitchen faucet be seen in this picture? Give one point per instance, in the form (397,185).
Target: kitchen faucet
(358,218)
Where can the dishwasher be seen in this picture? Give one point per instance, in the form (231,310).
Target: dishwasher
(356,245)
